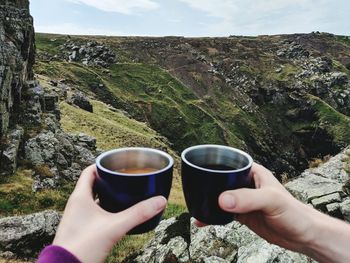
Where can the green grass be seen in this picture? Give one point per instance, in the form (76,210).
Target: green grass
(343,39)
(16,196)
(49,43)
(111,129)
(147,93)
(287,73)
(336,123)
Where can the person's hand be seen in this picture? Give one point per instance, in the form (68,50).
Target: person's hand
(275,215)
(270,211)
(88,231)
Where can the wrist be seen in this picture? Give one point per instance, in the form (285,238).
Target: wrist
(328,239)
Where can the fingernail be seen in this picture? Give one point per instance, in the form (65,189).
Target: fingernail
(228,201)
(159,203)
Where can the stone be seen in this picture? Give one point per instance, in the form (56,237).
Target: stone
(85,141)
(27,235)
(309,186)
(16,58)
(215,259)
(9,156)
(345,209)
(322,201)
(89,54)
(229,243)
(261,251)
(59,156)
(333,209)
(82,101)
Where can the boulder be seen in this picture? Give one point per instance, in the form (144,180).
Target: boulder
(59,156)
(27,235)
(82,101)
(229,243)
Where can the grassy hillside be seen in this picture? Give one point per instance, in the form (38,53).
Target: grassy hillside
(268,95)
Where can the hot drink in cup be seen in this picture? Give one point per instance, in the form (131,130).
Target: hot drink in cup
(127,176)
(209,170)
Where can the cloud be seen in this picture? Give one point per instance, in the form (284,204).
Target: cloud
(120,6)
(73,29)
(263,16)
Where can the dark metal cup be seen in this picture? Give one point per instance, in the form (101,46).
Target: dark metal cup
(118,191)
(209,170)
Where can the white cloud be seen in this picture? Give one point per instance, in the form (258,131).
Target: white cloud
(254,17)
(120,6)
(73,29)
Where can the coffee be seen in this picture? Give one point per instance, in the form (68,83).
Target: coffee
(218,167)
(132,170)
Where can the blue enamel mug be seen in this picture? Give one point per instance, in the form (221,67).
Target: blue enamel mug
(206,172)
(127,176)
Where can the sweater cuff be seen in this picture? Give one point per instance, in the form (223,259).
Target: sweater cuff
(57,254)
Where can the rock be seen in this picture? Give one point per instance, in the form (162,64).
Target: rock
(309,186)
(82,101)
(43,183)
(41,149)
(345,209)
(85,140)
(9,156)
(261,251)
(325,186)
(321,202)
(89,54)
(16,58)
(230,243)
(59,156)
(334,210)
(27,235)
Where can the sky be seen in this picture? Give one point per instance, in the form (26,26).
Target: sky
(190,17)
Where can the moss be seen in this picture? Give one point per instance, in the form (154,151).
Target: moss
(43,170)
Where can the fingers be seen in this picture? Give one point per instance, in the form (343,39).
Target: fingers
(263,177)
(248,200)
(86,181)
(199,223)
(140,212)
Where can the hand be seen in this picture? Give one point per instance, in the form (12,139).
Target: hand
(270,210)
(88,231)
(275,215)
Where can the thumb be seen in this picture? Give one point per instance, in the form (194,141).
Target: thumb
(141,212)
(249,200)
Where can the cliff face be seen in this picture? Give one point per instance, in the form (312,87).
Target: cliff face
(16,58)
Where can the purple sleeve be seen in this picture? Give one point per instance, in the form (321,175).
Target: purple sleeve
(56,254)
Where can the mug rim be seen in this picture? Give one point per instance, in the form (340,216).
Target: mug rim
(249,165)
(110,152)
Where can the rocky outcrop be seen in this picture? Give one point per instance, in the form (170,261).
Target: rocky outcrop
(90,53)
(222,244)
(326,187)
(26,235)
(9,156)
(57,156)
(82,101)
(179,240)
(16,58)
